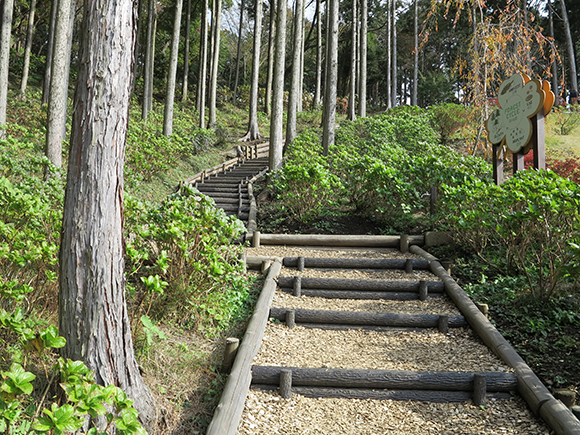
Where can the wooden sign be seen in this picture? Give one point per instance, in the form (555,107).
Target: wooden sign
(515,124)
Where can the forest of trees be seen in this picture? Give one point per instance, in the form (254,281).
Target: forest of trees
(278,58)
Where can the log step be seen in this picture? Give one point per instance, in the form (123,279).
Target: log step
(356,318)
(388,379)
(353,294)
(357,263)
(361,284)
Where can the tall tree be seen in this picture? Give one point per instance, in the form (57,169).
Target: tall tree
(92,307)
(394,54)
(186,52)
(270,73)
(554,62)
(277,119)
(172,73)
(216,25)
(415,54)
(5,37)
(49,50)
(58,91)
(570,45)
(253,128)
(389,54)
(201,88)
(149,59)
(353,59)
(294,94)
(240,29)
(28,49)
(318,84)
(330,83)
(362,105)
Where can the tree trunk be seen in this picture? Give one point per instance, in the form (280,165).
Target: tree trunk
(5,36)
(200,104)
(294,93)
(389,54)
(394,53)
(277,121)
(354,49)
(186,54)
(416,57)
(172,73)
(570,45)
(271,38)
(49,51)
(27,50)
(362,104)
(216,24)
(253,128)
(238,51)
(331,78)
(58,92)
(317,88)
(554,63)
(149,59)
(92,307)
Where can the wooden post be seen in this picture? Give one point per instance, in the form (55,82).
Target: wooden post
(409,266)
(230,352)
(265,265)
(539,140)
(443,324)
(423,290)
(576,411)
(479,390)
(291,319)
(518,162)
(256,239)
(567,397)
(286,383)
(404,243)
(484,308)
(300,264)
(497,164)
(297,286)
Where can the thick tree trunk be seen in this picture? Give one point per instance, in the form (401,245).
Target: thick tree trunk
(149,59)
(317,88)
(186,54)
(271,39)
(354,49)
(28,49)
(253,128)
(200,104)
(331,78)
(58,92)
(570,45)
(294,94)
(172,73)
(389,54)
(394,53)
(362,105)
(240,28)
(554,63)
(92,308)
(5,36)
(216,24)
(277,121)
(49,51)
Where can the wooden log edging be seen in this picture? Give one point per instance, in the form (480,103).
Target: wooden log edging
(252,215)
(357,318)
(355,263)
(227,415)
(337,240)
(432,396)
(355,294)
(534,392)
(386,379)
(361,284)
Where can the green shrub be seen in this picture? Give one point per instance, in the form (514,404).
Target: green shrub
(523,226)
(447,118)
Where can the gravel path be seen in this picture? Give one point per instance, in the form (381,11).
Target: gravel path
(459,350)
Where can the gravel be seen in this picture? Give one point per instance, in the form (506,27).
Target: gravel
(458,350)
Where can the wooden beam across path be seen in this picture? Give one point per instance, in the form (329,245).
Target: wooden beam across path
(358,263)
(361,284)
(336,240)
(356,318)
(388,379)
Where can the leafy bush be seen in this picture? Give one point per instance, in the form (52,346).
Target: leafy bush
(306,185)
(181,259)
(565,118)
(524,226)
(447,118)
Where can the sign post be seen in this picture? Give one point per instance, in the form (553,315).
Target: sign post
(518,123)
